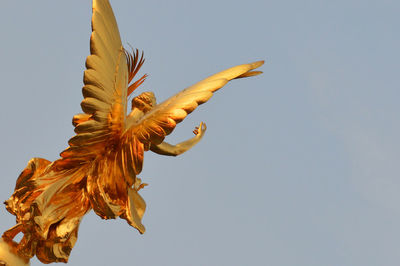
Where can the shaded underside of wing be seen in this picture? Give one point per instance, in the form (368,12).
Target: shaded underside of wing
(162,119)
(105,88)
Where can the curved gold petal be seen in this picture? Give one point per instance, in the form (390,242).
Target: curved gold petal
(59,246)
(135,210)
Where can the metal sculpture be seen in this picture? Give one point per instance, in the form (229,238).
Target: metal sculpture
(99,170)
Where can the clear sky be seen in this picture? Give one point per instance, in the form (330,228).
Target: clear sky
(299,166)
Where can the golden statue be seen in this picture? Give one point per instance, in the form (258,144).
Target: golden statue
(99,169)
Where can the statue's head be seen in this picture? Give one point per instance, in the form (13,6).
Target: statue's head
(144,102)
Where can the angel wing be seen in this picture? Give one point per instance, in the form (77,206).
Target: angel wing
(105,91)
(156,124)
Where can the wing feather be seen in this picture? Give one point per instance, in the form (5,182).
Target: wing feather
(90,91)
(91,105)
(89,126)
(97,45)
(162,119)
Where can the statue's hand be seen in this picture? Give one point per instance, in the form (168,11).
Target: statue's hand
(200,130)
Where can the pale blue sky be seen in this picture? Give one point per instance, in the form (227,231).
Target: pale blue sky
(299,166)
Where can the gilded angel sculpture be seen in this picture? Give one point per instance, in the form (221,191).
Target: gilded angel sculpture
(99,170)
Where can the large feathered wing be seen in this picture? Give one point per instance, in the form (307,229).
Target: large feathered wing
(111,163)
(105,89)
(162,119)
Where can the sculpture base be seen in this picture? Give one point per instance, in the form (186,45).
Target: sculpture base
(8,257)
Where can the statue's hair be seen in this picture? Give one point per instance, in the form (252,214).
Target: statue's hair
(145,101)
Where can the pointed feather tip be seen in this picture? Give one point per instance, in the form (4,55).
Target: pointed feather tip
(257,64)
(249,74)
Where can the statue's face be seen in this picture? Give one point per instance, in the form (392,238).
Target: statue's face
(144,102)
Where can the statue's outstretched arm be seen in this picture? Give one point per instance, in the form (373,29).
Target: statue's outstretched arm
(165,148)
